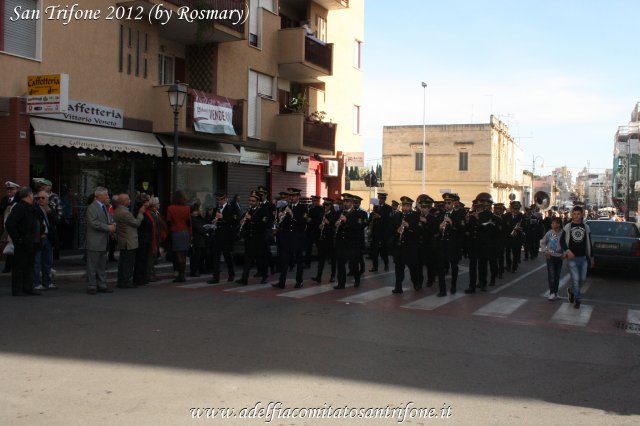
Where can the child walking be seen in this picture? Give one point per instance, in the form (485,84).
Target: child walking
(552,250)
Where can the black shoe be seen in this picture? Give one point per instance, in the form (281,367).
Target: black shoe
(386,268)
(430,284)
(577,304)
(483,288)
(257,274)
(277,285)
(453,290)
(470,291)
(264,280)
(332,279)
(105,290)
(92,291)
(231,278)
(338,287)
(441,294)
(570,295)
(373,270)
(316,279)
(298,285)
(417,287)
(356,284)
(241,281)
(213,281)
(397,291)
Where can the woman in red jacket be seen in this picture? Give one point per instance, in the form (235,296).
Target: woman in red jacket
(179,223)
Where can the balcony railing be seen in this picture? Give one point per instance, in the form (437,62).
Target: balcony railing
(318,53)
(319,135)
(219,5)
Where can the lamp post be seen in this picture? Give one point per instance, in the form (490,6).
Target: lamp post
(424,134)
(177,94)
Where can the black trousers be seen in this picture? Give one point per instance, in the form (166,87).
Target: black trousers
(141,265)
(500,258)
(290,255)
(326,251)
(312,239)
(513,249)
(485,259)
(379,248)
(22,270)
(448,257)
(126,265)
(429,259)
(198,255)
(251,258)
(415,271)
(215,264)
(353,266)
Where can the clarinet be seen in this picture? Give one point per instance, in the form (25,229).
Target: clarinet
(402,228)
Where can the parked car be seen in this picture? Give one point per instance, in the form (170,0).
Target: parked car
(615,244)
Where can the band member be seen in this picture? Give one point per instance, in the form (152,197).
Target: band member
(326,247)
(448,244)
(252,226)
(348,245)
(486,228)
(394,206)
(365,221)
(428,224)
(225,219)
(292,223)
(533,233)
(513,227)
(406,246)
(498,212)
(381,229)
(316,213)
(267,212)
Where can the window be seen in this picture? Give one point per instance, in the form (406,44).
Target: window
(166,69)
(260,86)
(463,161)
(321,28)
(254,24)
(20,37)
(357,45)
(356,120)
(418,161)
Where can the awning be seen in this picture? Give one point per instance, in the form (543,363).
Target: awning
(200,149)
(83,136)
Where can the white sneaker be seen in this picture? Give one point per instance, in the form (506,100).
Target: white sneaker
(39,288)
(553,296)
(52,286)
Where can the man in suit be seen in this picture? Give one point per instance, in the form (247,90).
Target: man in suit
(127,232)
(380,232)
(5,207)
(225,217)
(97,242)
(291,238)
(44,256)
(23,227)
(252,227)
(348,244)
(314,219)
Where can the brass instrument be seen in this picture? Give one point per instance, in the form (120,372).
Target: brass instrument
(446,224)
(324,222)
(516,229)
(246,216)
(338,223)
(542,200)
(403,226)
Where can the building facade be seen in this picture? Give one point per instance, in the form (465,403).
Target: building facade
(626,164)
(271,99)
(461,158)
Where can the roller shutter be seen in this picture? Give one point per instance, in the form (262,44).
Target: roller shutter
(243,178)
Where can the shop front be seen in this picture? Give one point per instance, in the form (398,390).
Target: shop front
(297,171)
(246,176)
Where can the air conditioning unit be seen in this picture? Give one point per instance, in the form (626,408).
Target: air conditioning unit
(330,168)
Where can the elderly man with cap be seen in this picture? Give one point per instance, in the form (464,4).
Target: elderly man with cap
(349,227)
(127,233)
(291,238)
(513,228)
(406,246)
(314,219)
(226,216)
(24,228)
(380,225)
(7,202)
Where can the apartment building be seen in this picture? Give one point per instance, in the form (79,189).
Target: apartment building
(284,88)
(626,164)
(461,158)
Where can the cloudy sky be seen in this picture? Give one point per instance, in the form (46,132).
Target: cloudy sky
(563,74)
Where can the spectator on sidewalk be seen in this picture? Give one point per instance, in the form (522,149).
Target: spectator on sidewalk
(112,205)
(7,202)
(127,234)
(198,242)
(42,278)
(146,241)
(179,224)
(23,227)
(576,244)
(152,211)
(99,229)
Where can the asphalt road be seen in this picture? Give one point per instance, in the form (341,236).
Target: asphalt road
(151,355)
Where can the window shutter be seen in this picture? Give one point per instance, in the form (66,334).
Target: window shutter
(265,85)
(20,36)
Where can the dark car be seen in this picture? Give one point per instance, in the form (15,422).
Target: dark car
(615,244)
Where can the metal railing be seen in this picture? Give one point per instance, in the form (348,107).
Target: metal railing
(318,53)
(319,135)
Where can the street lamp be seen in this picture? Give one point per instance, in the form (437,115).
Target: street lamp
(424,133)
(177,94)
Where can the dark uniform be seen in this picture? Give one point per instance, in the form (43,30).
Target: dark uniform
(348,244)
(513,226)
(226,218)
(533,233)
(448,243)
(485,228)
(498,212)
(427,244)
(252,231)
(365,223)
(381,232)
(316,213)
(291,239)
(406,246)
(267,213)
(326,241)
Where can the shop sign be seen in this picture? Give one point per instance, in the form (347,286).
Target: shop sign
(86,113)
(297,163)
(212,114)
(47,93)
(354,159)
(254,157)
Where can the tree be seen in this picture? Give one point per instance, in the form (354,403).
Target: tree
(379,170)
(356,173)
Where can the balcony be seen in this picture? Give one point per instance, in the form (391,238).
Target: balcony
(333,4)
(220,28)
(302,58)
(297,134)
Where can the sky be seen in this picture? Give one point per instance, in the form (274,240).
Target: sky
(562,74)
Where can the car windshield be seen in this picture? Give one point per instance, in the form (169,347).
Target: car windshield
(615,229)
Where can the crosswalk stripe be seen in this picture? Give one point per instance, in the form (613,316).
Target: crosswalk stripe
(568,315)
(633,320)
(432,302)
(306,292)
(520,278)
(501,307)
(250,288)
(369,296)
(197,285)
(563,282)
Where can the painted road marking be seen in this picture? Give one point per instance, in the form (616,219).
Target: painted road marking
(502,307)
(252,287)
(309,291)
(633,320)
(563,282)
(432,302)
(568,315)
(369,296)
(512,282)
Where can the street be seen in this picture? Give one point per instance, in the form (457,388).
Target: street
(150,355)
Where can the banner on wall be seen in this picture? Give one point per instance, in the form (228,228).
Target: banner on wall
(212,114)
